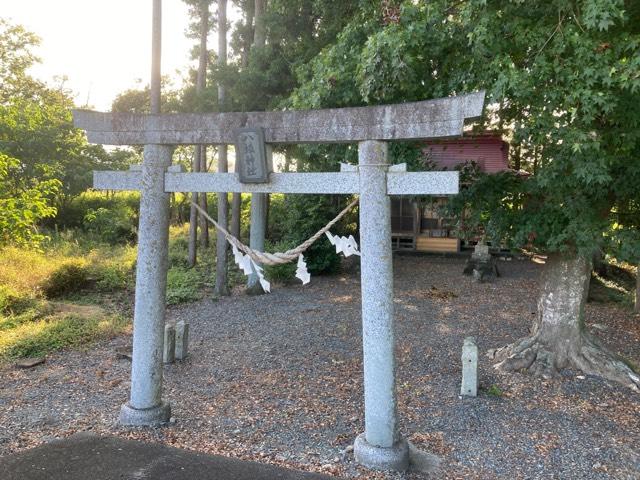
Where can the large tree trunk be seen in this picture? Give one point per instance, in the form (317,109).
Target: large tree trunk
(260,32)
(559,338)
(223,203)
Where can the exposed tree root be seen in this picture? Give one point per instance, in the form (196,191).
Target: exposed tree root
(587,355)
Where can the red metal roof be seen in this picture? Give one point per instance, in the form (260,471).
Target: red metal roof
(488,150)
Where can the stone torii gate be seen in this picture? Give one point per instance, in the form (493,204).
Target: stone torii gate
(381,445)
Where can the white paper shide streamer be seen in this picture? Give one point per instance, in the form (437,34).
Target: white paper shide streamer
(248,266)
(345,245)
(301,271)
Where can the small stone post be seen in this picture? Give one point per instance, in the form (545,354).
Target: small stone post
(169,348)
(381,445)
(182,340)
(469,386)
(146,406)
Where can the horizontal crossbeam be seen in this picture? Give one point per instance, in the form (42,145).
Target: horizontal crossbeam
(398,183)
(407,121)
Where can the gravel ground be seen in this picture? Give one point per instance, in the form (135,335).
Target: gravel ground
(278,379)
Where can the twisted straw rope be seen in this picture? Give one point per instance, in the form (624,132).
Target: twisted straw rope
(277,258)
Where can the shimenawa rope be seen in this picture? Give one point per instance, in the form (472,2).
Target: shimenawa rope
(277,258)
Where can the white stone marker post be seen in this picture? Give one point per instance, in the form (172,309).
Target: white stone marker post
(469,385)
(380,446)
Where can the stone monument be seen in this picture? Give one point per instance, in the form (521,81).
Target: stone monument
(481,265)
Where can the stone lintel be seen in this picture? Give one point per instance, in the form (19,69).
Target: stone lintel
(437,118)
(398,183)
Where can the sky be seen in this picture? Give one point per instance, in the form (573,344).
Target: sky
(102,46)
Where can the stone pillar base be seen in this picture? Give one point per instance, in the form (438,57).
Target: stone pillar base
(145,417)
(395,458)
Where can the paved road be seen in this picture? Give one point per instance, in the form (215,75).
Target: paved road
(91,457)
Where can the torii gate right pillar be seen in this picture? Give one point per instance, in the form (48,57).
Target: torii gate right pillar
(380,446)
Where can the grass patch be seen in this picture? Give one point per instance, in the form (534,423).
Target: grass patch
(37,333)
(183,285)
(495,391)
(77,290)
(72,269)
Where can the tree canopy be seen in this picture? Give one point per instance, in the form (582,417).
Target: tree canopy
(44,160)
(563,82)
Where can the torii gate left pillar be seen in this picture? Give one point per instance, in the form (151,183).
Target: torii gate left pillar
(381,446)
(146,406)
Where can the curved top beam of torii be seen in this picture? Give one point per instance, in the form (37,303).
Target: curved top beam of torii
(442,117)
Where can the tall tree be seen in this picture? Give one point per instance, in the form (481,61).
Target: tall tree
(223,202)
(44,160)
(201,81)
(565,77)
(199,30)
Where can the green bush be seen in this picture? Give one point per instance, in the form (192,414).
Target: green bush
(304,215)
(13,303)
(112,225)
(113,276)
(69,277)
(280,273)
(183,285)
(72,214)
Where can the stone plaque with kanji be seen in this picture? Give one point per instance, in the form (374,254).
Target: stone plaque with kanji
(251,156)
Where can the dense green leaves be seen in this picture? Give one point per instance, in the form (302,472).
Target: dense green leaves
(563,82)
(44,161)
(21,209)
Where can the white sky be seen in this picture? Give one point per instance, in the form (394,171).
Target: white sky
(102,46)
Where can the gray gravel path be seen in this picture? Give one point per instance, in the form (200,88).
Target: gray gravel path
(277,378)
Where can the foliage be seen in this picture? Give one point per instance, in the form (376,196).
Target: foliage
(12,302)
(284,273)
(69,277)
(21,209)
(44,161)
(562,77)
(308,214)
(486,207)
(138,100)
(32,337)
(73,214)
(183,285)
(495,391)
(296,30)
(112,225)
